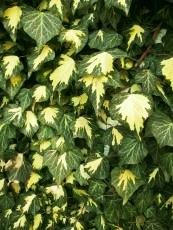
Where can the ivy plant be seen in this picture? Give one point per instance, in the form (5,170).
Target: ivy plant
(86,114)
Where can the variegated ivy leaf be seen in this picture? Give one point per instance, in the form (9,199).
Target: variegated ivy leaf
(95,86)
(49,114)
(134,109)
(126,182)
(41,93)
(99,40)
(61,165)
(152,175)
(64,72)
(80,100)
(58,5)
(11,65)
(116,137)
(20,223)
(82,127)
(41,26)
(75,5)
(56,190)
(37,161)
(120,4)
(75,38)
(101,63)
(33,179)
(31,123)
(39,57)
(136,31)
(167,70)
(28,201)
(12,17)
(37,221)
(92,166)
(24,98)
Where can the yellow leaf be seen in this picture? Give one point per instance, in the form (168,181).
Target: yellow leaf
(134,110)
(116,137)
(74,37)
(83,124)
(103,60)
(57,4)
(167,69)
(135,31)
(125,177)
(20,223)
(15,113)
(92,166)
(10,62)
(40,93)
(44,145)
(80,100)
(15,80)
(15,186)
(56,191)
(122,3)
(75,4)
(97,86)
(80,192)
(83,173)
(37,161)
(34,178)
(100,35)
(78,225)
(169,202)
(42,56)
(2,184)
(70,179)
(13,15)
(8,45)
(30,122)
(49,114)
(63,73)
(28,203)
(153,174)
(37,221)
(60,142)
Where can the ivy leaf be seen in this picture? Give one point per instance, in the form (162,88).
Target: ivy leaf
(96,188)
(56,191)
(25,98)
(126,182)
(134,110)
(37,161)
(58,5)
(41,93)
(61,165)
(117,137)
(162,129)
(165,163)
(135,31)
(37,221)
(33,179)
(98,40)
(167,69)
(39,57)
(31,124)
(101,63)
(82,125)
(132,151)
(93,165)
(49,115)
(12,18)
(95,87)
(41,26)
(6,132)
(11,65)
(62,74)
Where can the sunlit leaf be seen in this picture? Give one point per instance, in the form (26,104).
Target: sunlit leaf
(34,178)
(20,223)
(37,161)
(31,124)
(63,73)
(49,114)
(40,93)
(10,64)
(56,191)
(136,31)
(83,125)
(167,69)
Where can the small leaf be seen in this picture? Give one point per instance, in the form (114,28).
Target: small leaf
(28,202)
(10,64)
(167,69)
(31,124)
(49,114)
(116,137)
(25,98)
(135,31)
(40,93)
(37,221)
(41,26)
(20,223)
(37,161)
(58,4)
(102,61)
(13,16)
(34,178)
(56,191)
(83,125)
(63,73)
(92,166)
(153,174)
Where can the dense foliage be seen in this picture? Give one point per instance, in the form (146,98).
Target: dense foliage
(86,114)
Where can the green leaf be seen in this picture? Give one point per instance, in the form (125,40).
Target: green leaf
(162,129)
(96,188)
(61,165)
(165,163)
(126,182)
(132,151)
(24,98)
(41,26)
(6,132)
(120,4)
(99,40)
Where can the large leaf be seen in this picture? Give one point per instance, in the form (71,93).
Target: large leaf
(162,129)
(41,26)
(126,182)
(132,151)
(61,165)
(134,109)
